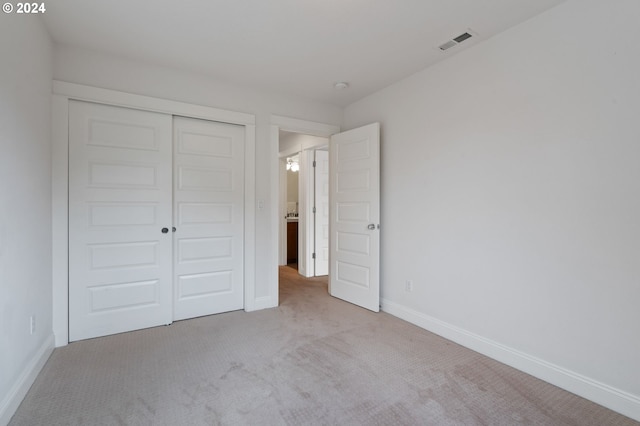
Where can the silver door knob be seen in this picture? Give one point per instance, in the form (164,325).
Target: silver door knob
(371,226)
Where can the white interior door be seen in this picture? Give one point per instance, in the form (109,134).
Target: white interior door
(355,216)
(119,200)
(209,216)
(322,213)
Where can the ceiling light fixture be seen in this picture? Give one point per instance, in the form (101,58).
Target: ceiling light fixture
(341,85)
(292,165)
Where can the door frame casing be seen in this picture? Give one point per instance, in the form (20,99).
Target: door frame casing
(294,125)
(318,190)
(307,217)
(282,210)
(63,92)
(305,214)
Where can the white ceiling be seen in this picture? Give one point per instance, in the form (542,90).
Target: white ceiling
(296,47)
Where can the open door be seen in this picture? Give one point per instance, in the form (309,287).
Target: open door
(354,200)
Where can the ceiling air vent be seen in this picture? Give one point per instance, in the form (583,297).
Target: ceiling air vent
(455,41)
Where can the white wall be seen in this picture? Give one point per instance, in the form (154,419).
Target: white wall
(292,189)
(511,197)
(25,205)
(291,143)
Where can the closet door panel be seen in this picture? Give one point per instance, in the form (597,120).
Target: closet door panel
(209,217)
(119,200)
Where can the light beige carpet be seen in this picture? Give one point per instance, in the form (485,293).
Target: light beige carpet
(314,360)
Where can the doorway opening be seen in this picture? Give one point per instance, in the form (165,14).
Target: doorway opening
(303,200)
(292,200)
(354,190)
(283,128)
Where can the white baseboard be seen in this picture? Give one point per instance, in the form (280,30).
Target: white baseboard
(600,393)
(61,338)
(16,394)
(264,303)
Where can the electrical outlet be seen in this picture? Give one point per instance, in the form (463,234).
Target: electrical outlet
(32,322)
(408,285)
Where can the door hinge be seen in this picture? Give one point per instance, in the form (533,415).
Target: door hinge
(314,163)
(314,209)
(313,256)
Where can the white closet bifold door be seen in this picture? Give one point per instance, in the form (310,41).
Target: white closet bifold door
(120,261)
(209,217)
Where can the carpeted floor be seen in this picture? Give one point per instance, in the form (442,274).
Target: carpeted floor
(314,360)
